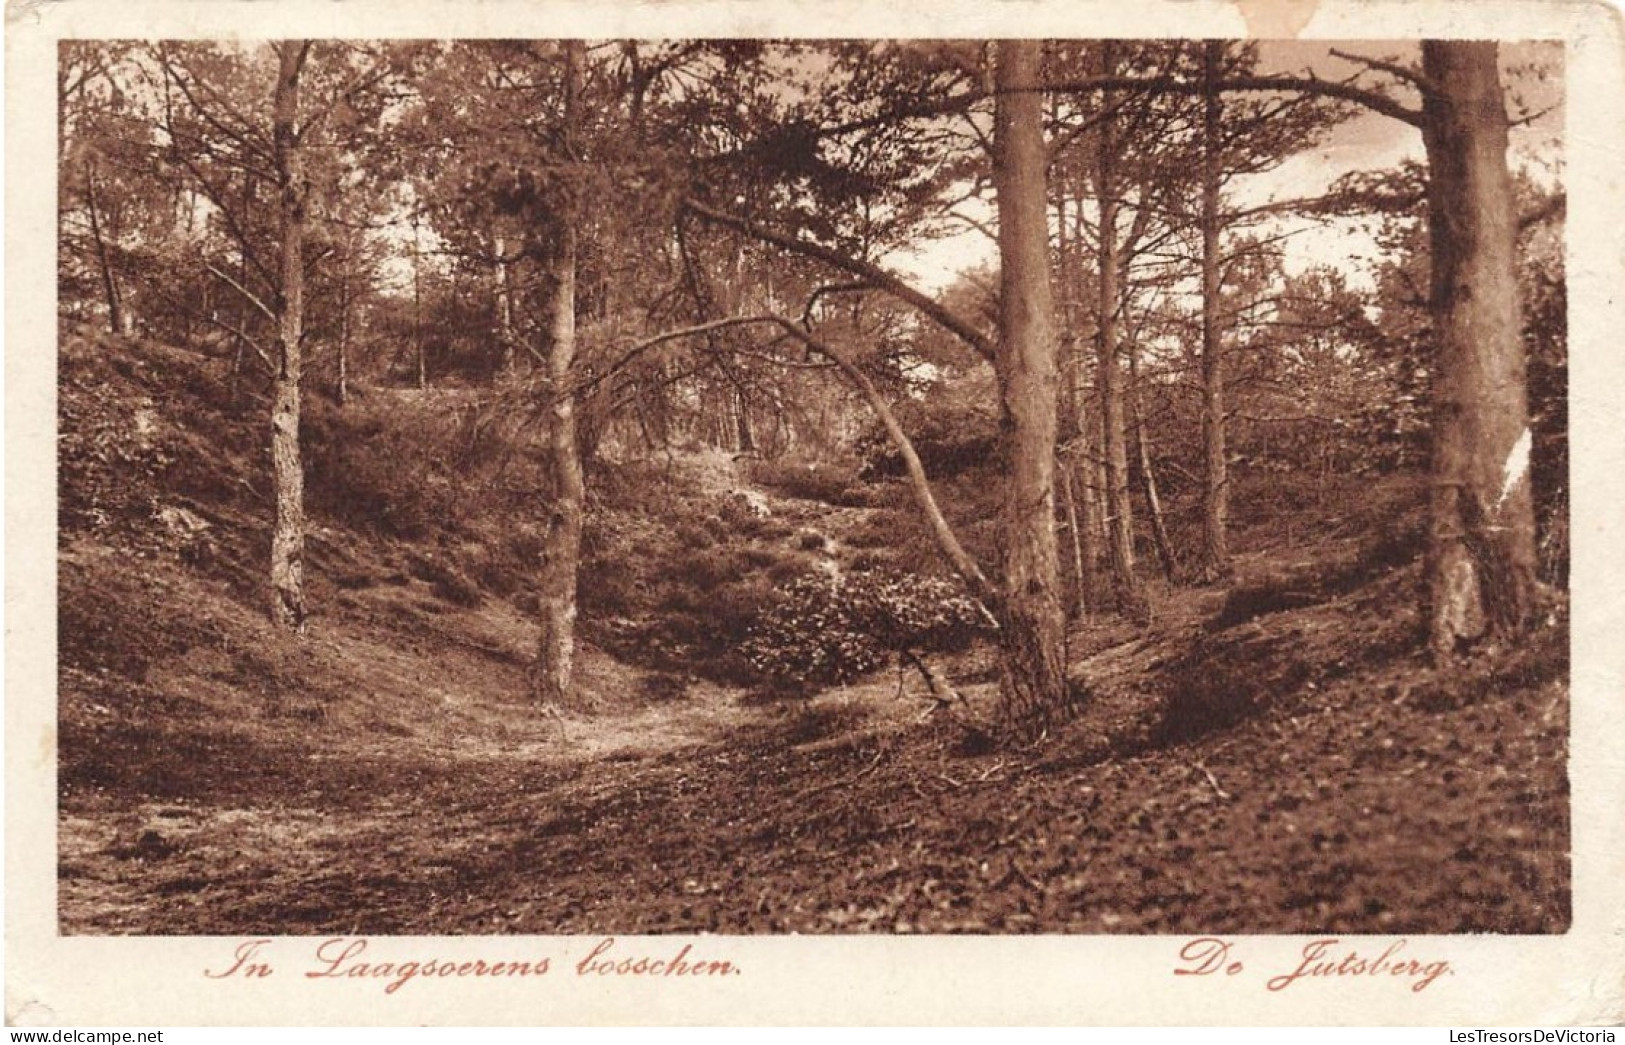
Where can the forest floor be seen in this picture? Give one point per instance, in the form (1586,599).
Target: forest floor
(1270,756)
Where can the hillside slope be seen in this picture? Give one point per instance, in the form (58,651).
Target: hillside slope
(1267,759)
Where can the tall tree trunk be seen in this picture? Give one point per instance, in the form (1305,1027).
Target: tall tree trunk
(1481,552)
(1032,681)
(1068,443)
(1089,469)
(1074,458)
(1088,465)
(1109,383)
(561,552)
(287,469)
(1215,563)
(115,316)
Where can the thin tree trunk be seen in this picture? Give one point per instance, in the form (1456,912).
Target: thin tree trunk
(505,334)
(417,310)
(561,553)
(245,309)
(1215,563)
(742,428)
(1090,475)
(1119,513)
(941,533)
(1481,553)
(1074,529)
(1148,477)
(1087,464)
(1073,458)
(1032,679)
(115,316)
(287,470)
(345,302)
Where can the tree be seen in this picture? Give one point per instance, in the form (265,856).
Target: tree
(222,152)
(1109,380)
(1215,561)
(287,471)
(561,551)
(1481,554)
(1032,678)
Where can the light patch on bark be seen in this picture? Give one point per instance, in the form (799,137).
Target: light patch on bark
(1462,612)
(1517,467)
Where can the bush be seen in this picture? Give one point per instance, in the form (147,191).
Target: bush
(804,480)
(824,630)
(881,528)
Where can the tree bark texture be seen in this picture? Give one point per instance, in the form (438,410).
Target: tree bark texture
(1032,683)
(287,469)
(561,552)
(1215,564)
(1481,553)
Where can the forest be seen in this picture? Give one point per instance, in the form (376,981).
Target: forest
(840,486)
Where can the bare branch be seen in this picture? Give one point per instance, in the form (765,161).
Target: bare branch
(241,134)
(882,280)
(1409,75)
(265,309)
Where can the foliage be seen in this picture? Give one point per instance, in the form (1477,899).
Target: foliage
(108,464)
(952,422)
(829,630)
(806,480)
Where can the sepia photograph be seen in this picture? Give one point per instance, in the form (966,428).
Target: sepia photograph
(661,492)
(574,486)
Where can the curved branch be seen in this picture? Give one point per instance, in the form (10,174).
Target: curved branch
(265,309)
(980,587)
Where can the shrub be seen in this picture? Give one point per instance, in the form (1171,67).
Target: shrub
(881,528)
(824,630)
(803,480)
(693,536)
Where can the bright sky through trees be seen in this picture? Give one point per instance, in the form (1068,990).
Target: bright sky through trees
(1367,142)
